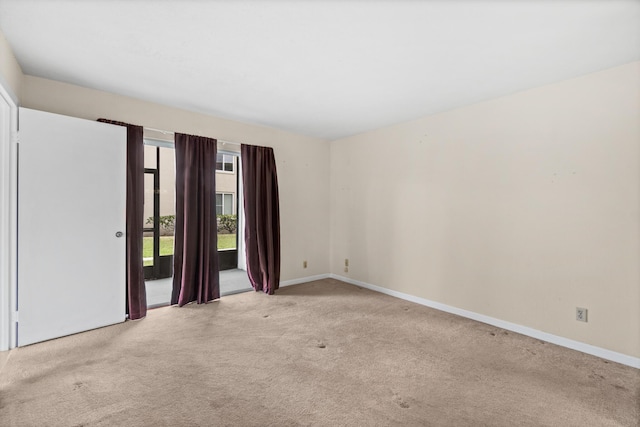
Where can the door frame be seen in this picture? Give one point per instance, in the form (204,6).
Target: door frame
(8,216)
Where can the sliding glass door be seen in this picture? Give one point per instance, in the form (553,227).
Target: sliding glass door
(159,219)
(159,210)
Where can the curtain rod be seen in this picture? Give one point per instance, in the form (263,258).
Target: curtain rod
(168,132)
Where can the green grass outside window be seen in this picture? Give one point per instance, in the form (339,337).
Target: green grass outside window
(225,241)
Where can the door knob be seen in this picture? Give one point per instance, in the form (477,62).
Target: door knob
(119,234)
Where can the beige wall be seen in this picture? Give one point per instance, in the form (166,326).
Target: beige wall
(302,162)
(520,208)
(10,71)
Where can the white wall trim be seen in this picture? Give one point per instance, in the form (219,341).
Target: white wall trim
(304,280)
(8,197)
(524,330)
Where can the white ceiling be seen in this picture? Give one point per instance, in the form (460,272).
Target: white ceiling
(321,68)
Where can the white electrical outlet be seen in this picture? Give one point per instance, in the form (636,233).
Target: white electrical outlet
(581,314)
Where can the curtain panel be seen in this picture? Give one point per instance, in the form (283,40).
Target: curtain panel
(136,292)
(262,217)
(196,275)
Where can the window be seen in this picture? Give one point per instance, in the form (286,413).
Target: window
(225,163)
(224,204)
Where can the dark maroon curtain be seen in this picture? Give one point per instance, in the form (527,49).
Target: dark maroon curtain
(136,292)
(262,217)
(196,276)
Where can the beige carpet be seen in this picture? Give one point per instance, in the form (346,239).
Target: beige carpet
(322,353)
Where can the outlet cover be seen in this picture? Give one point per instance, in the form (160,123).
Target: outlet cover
(304,264)
(581,314)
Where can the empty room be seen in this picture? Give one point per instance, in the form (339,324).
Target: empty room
(282,213)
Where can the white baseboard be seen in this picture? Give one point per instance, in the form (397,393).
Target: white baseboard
(304,280)
(524,330)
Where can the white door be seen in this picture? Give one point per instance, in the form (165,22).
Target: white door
(71,207)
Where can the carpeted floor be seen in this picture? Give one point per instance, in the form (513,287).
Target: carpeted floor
(322,353)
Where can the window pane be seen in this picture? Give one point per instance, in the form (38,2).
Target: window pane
(228,167)
(218,204)
(150,156)
(147,241)
(167,200)
(228,204)
(148,200)
(219,162)
(227,227)
(147,249)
